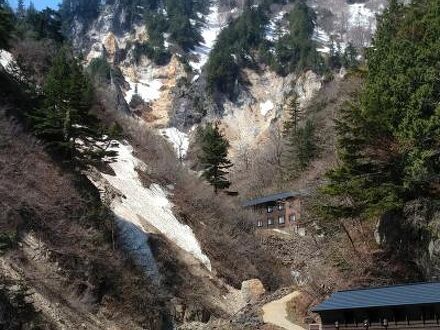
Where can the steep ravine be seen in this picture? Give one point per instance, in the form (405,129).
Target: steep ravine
(147,209)
(170,102)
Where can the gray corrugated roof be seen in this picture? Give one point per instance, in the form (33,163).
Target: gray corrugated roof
(270,198)
(397,295)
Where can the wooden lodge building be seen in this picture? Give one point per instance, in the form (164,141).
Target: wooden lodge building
(282,211)
(410,306)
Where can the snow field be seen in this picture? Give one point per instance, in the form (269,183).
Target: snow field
(178,139)
(147,207)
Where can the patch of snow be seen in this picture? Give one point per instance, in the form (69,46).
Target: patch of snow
(9,64)
(166,37)
(209,32)
(322,37)
(147,87)
(360,15)
(178,139)
(266,107)
(323,49)
(147,208)
(272,27)
(135,241)
(6,59)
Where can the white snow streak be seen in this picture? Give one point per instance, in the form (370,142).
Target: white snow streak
(209,32)
(272,27)
(178,139)
(322,38)
(148,207)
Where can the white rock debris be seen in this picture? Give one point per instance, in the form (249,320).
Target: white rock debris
(147,208)
(178,139)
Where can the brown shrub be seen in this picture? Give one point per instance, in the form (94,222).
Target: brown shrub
(34,58)
(225,232)
(64,212)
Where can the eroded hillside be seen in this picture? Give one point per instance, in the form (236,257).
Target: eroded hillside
(109,220)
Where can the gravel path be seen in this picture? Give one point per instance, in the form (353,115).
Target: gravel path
(275,313)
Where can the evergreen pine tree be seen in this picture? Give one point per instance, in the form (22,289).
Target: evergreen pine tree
(6,25)
(349,59)
(301,148)
(305,144)
(64,120)
(21,10)
(389,140)
(291,124)
(214,156)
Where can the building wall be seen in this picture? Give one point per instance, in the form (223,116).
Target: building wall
(425,316)
(285,214)
(400,325)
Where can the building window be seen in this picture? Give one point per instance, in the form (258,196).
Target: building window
(269,209)
(281,220)
(292,218)
(280,206)
(269,221)
(259,223)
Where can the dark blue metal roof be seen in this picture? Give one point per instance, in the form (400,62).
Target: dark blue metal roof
(397,295)
(270,198)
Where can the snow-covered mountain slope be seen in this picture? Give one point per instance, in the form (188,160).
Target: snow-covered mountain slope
(168,91)
(345,23)
(145,208)
(214,23)
(172,98)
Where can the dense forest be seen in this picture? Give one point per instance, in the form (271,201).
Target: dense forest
(388,141)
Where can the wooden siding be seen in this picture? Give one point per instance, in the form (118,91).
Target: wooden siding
(399,325)
(425,316)
(290,207)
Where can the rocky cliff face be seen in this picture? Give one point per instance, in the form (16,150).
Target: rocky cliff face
(175,94)
(414,236)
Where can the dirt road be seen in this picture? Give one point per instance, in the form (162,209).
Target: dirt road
(275,313)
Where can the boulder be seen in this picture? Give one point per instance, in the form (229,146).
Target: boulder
(252,290)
